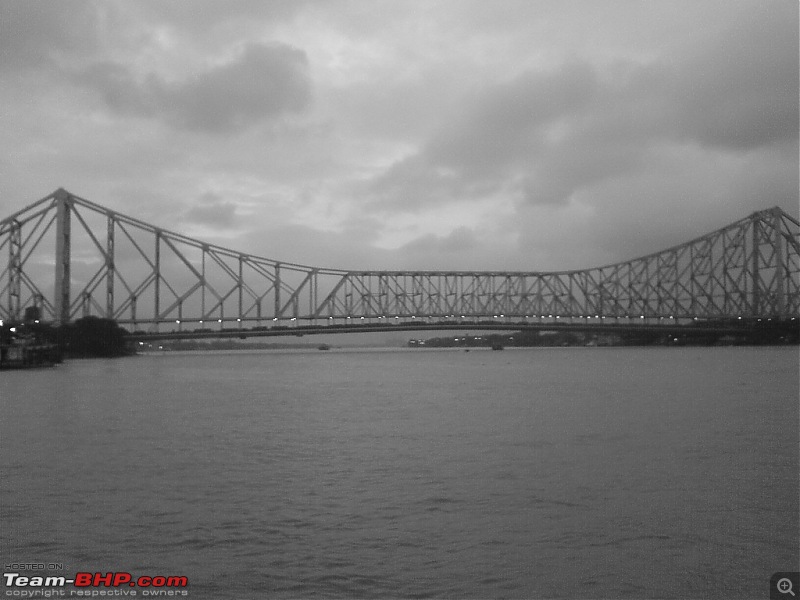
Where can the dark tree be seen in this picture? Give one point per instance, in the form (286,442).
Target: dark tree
(32,313)
(94,336)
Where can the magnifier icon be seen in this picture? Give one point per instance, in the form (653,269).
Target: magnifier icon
(785,586)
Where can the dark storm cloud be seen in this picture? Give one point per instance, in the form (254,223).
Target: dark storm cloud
(32,32)
(546,135)
(456,242)
(302,244)
(203,15)
(477,153)
(264,81)
(212,210)
(345,250)
(740,89)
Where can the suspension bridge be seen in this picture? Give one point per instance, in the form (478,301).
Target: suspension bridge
(70,258)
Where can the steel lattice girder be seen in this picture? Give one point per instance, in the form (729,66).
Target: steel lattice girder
(116,266)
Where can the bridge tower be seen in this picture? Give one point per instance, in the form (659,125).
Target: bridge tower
(62,272)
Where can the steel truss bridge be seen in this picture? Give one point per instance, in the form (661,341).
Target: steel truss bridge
(72,258)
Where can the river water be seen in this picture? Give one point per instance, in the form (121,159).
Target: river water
(528,473)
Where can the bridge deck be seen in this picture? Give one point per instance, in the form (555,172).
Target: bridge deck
(695,328)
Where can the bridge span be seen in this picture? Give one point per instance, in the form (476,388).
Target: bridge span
(659,327)
(68,258)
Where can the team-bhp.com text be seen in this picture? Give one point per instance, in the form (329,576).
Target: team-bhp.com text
(88,584)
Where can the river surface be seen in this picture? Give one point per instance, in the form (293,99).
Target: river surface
(528,473)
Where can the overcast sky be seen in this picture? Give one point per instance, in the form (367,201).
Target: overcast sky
(407,134)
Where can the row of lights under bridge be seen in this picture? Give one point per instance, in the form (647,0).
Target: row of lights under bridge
(472,319)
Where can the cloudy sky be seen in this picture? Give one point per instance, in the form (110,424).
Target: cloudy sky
(412,134)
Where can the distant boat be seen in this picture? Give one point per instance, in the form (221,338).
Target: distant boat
(323,347)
